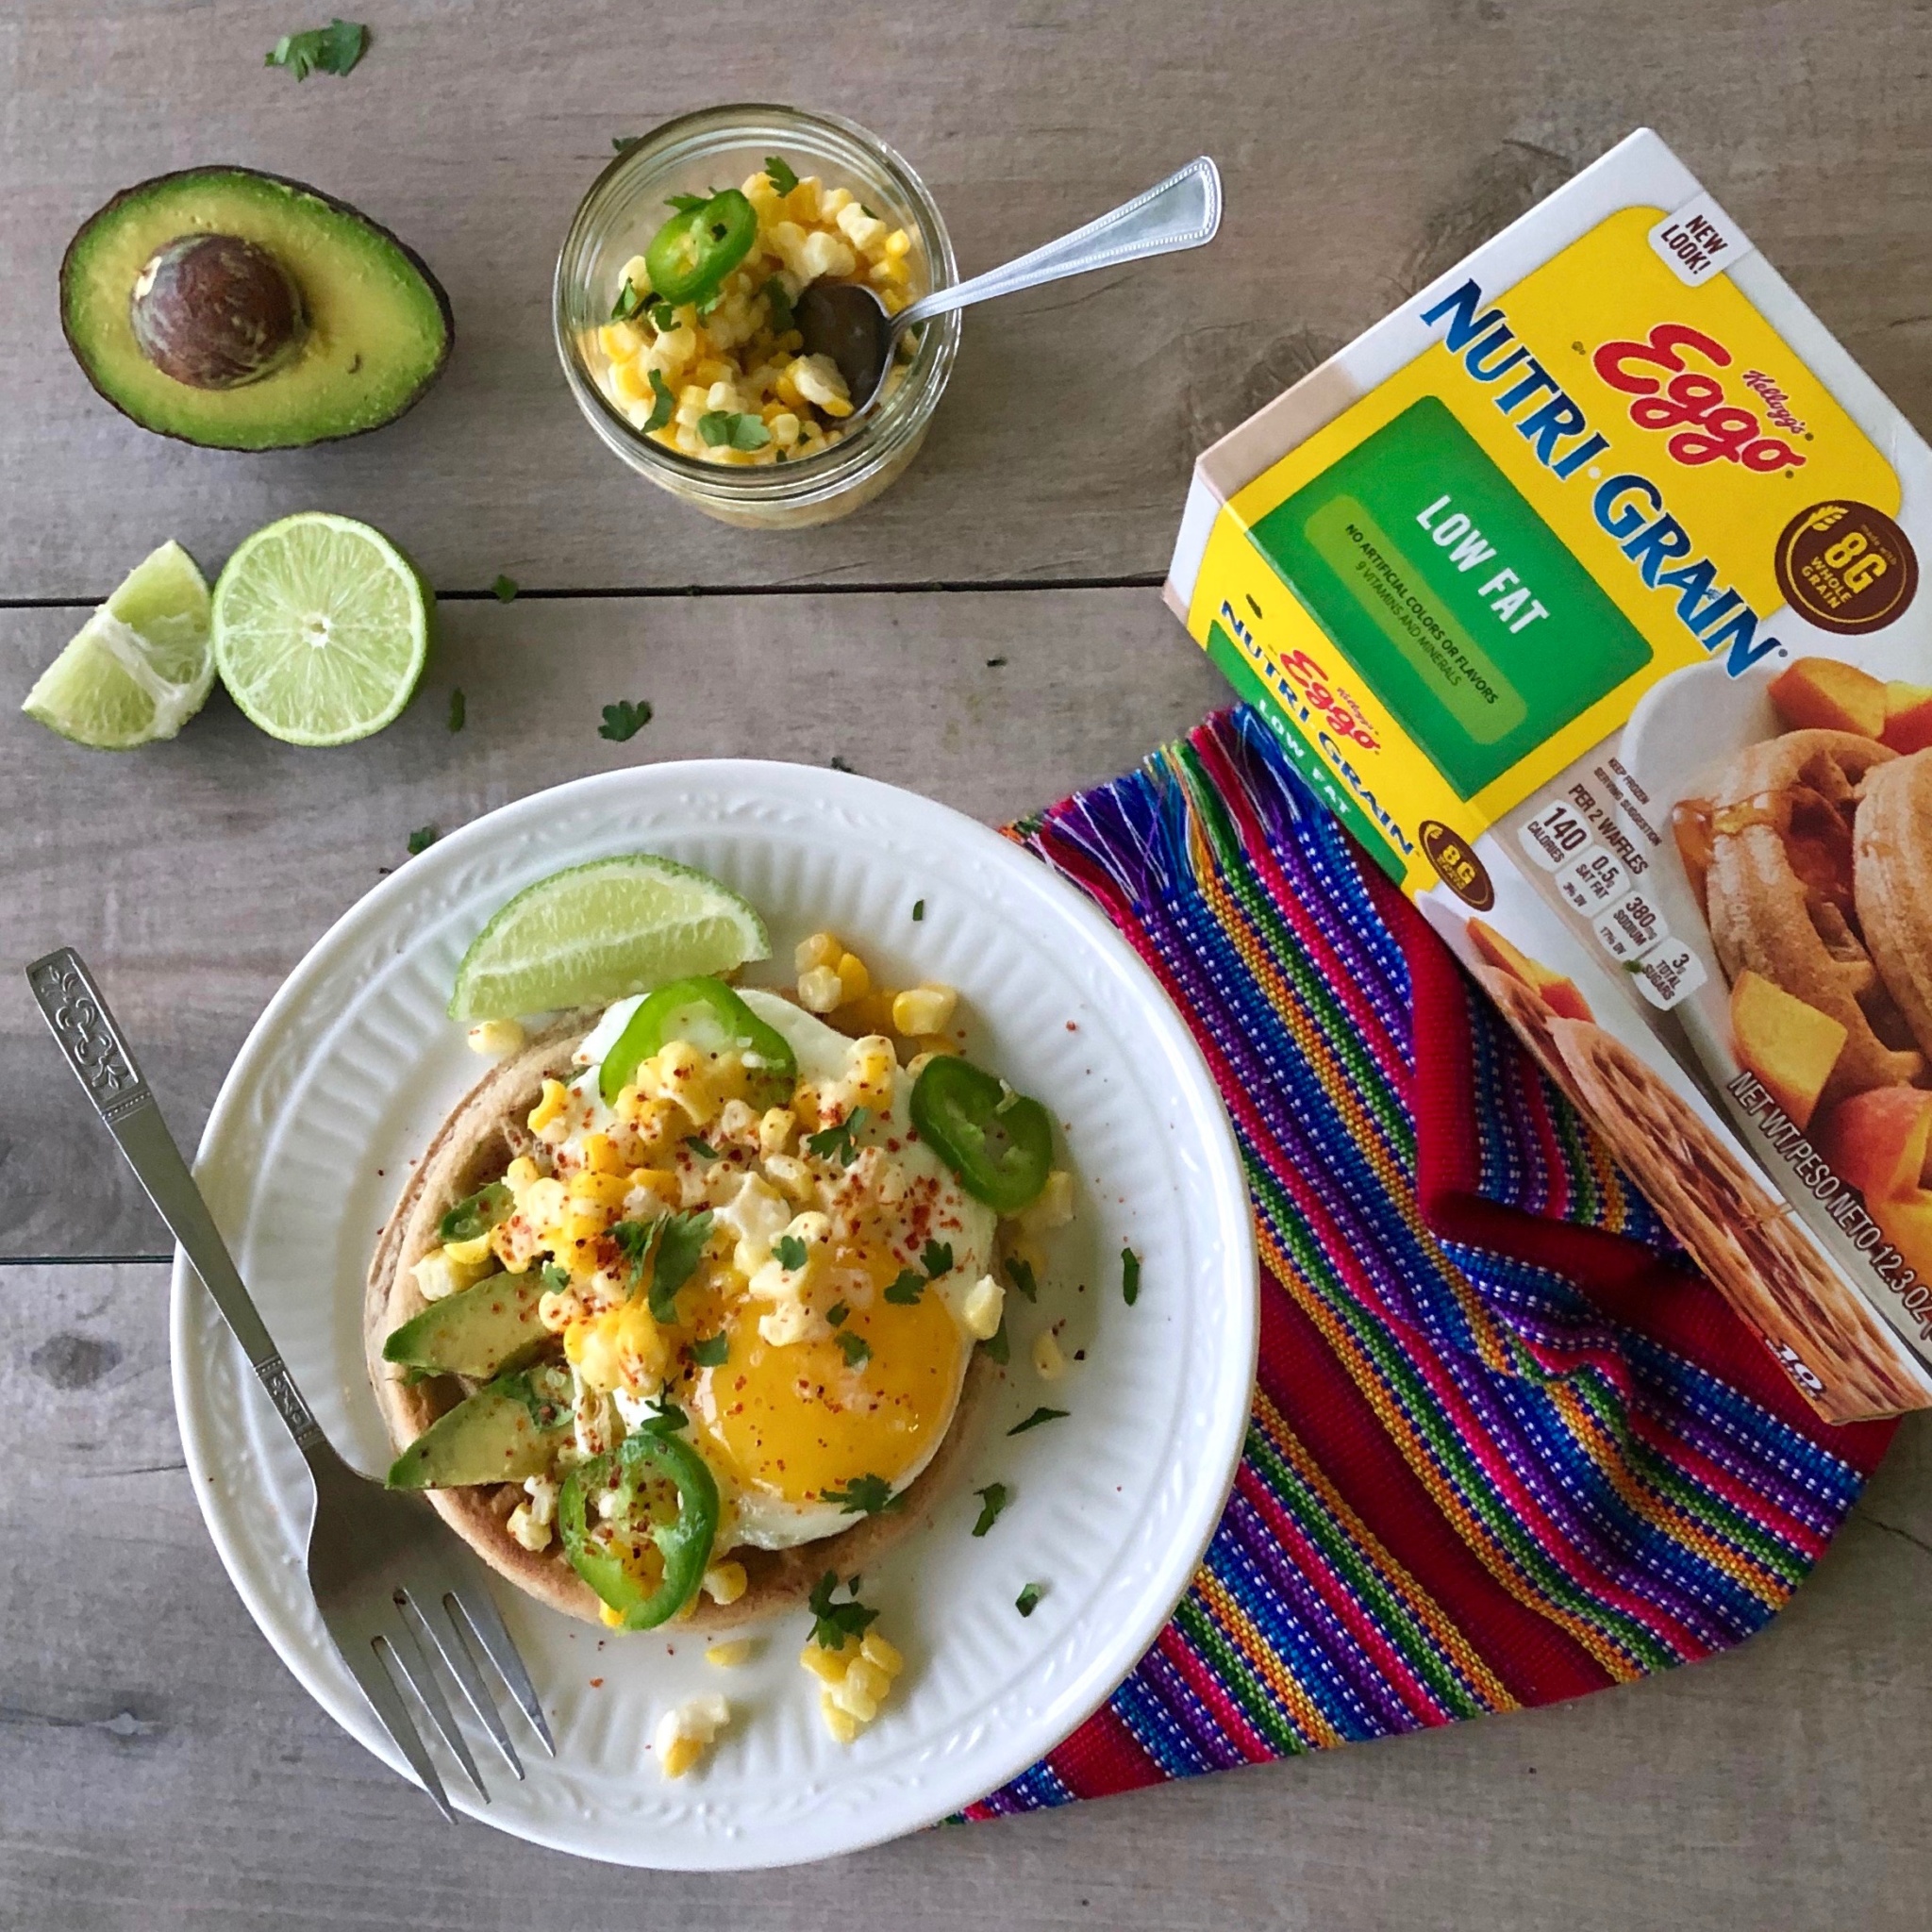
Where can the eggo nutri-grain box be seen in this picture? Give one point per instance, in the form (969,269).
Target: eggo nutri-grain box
(1585,589)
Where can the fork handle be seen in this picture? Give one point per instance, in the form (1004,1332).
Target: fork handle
(71,1004)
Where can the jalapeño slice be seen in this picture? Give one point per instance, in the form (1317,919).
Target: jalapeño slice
(710,1017)
(685,1544)
(693,252)
(999,1142)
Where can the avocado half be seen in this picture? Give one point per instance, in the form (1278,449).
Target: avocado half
(239,310)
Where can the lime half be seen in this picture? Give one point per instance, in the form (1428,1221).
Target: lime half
(140,667)
(601,931)
(321,627)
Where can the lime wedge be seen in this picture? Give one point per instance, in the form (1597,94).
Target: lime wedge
(322,626)
(140,667)
(598,932)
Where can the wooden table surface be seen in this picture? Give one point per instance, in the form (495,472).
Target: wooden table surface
(989,633)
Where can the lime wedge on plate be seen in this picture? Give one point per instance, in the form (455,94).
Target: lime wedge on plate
(321,627)
(140,667)
(601,931)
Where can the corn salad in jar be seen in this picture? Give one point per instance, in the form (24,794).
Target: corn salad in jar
(704,354)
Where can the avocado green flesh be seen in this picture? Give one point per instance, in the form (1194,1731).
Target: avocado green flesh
(377,325)
(479,1331)
(489,1438)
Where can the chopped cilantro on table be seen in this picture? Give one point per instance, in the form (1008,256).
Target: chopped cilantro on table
(780,173)
(622,143)
(1130,1277)
(1038,1417)
(712,1352)
(857,1349)
(866,1495)
(839,764)
(936,1260)
(422,839)
(919,908)
(623,720)
(906,1288)
(458,709)
(789,1251)
(331,49)
(1028,1600)
(834,1623)
(1021,1273)
(721,427)
(992,1499)
(835,1142)
(505,590)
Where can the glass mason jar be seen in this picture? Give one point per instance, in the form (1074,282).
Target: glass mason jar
(625,206)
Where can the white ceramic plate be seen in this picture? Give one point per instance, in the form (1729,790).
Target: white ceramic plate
(354,1063)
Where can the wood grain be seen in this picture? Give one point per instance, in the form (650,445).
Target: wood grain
(193,875)
(161,1769)
(1365,145)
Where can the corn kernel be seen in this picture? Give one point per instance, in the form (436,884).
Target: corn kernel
(521,1173)
(1055,1206)
(820,949)
(679,1756)
(600,1189)
(980,1313)
(876,1651)
(775,1127)
(470,1253)
(611,1620)
(853,979)
(791,1177)
(842,1724)
(827,1664)
(1049,1363)
(555,1098)
(727,1657)
(898,242)
(527,1530)
(925,1009)
(629,383)
(601,1155)
(867,1678)
(724,1583)
(854,1701)
(820,990)
(784,427)
(495,1038)
(619,341)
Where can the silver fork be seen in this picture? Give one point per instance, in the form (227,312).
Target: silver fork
(385,1571)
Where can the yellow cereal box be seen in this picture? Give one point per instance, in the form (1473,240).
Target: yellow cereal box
(1585,589)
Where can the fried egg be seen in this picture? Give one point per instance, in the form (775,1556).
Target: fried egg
(829,1391)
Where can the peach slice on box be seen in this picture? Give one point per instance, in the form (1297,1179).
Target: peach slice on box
(1908,717)
(1789,1046)
(1557,991)
(1877,1141)
(1821,694)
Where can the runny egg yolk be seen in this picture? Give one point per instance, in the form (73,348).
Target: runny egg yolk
(791,1422)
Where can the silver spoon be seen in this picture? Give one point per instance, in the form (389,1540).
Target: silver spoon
(848,322)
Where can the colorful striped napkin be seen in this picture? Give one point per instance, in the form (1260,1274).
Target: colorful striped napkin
(1506,1448)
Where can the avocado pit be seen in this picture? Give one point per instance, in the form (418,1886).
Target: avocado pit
(215,311)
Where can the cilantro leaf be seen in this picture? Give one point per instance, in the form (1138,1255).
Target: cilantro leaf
(701,1147)
(839,764)
(1028,1600)
(992,1499)
(422,839)
(906,1288)
(832,1624)
(663,318)
(739,430)
(998,1345)
(835,1142)
(504,590)
(622,143)
(936,1260)
(865,1495)
(1038,1416)
(919,908)
(789,1251)
(680,1247)
(634,1238)
(623,720)
(458,709)
(668,1420)
(857,1349)
(779,173)
(331,49)
(664,404)
(554,1278)
(1130,1277)
(630,302)
(686,204)
(836,1314)
(712,1352)
(782,317)
(1021,1273)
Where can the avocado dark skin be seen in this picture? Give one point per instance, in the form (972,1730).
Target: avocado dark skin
(214,310)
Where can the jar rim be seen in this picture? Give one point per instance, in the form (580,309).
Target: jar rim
(888,427)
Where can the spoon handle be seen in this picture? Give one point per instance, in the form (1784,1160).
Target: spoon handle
(1183,211)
